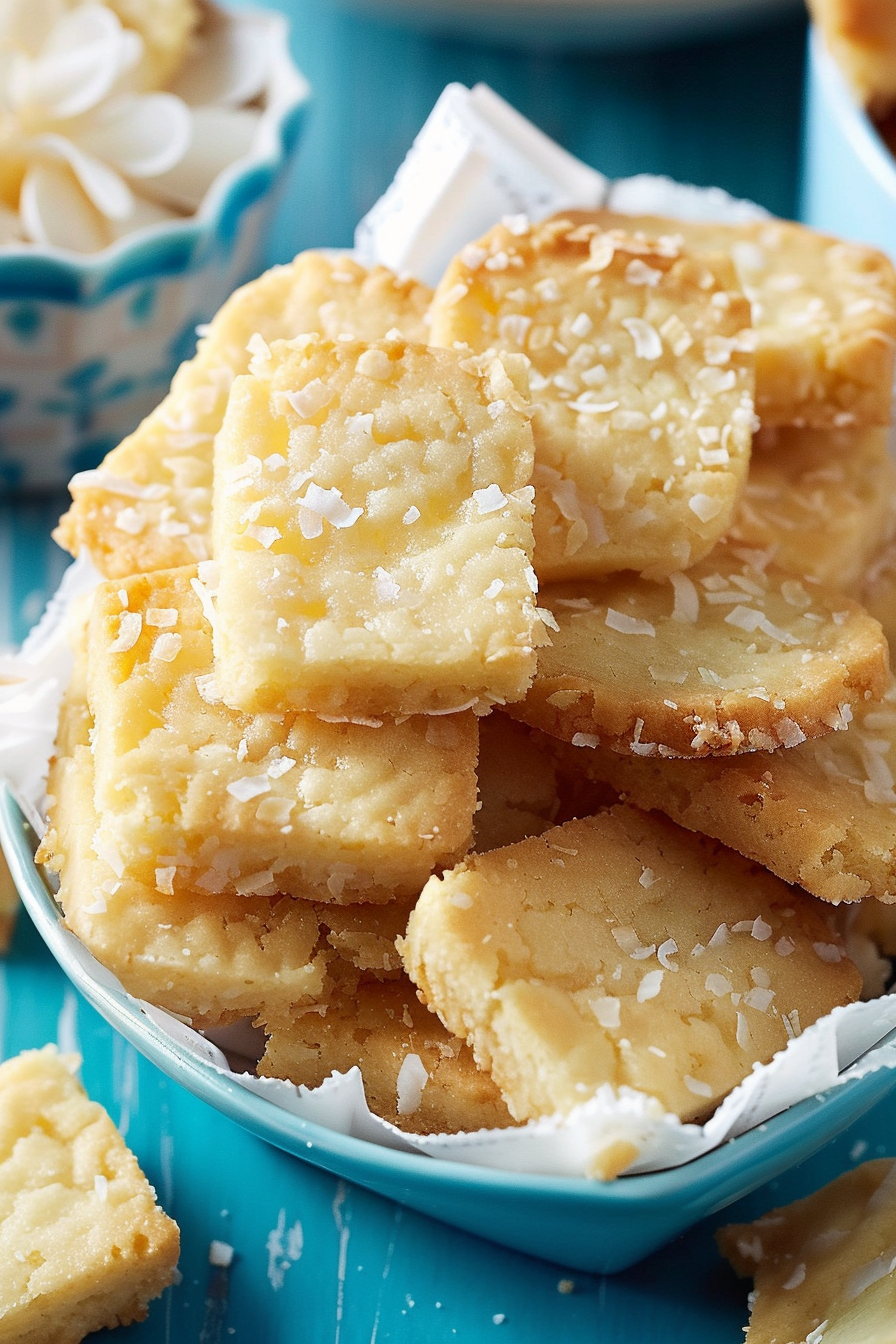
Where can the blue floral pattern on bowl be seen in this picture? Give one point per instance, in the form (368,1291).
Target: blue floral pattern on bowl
(88,345)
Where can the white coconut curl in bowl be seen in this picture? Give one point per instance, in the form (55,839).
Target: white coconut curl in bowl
(128,212)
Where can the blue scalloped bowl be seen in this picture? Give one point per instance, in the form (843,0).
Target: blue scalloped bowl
(89,344)
(575,1222)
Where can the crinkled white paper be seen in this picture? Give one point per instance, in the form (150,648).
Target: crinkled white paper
(475,161)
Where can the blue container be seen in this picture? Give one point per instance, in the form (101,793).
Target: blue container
(89,344)
(579,1223)
(849,174)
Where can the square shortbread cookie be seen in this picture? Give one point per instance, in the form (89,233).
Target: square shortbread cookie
(642,382)
(819,501)
(821,814)
(149,505)
(372,528)
(416,1074)
(83,1244)
(194,796)
(209,957)
(825,1266)
(734,656)
(824,312)
(621,950)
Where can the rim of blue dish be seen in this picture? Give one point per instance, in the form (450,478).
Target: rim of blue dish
(857,125)
(33,270)
(711,1181)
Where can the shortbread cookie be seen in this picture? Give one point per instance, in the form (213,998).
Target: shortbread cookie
(736,655)
(620,949)
(194,796)
(825,1266)
(211,957)
(824,312)
(879,592)
(83,1244)
(861,36)
(373,531)
(819,501)
(822,814)
(149,505)
(416,1074)
(522,791)
(642,380)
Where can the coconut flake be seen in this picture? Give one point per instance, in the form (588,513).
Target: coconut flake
(687,598)
(130,623)
(166,648)
(628,625)
(606,1010)
(248,787)
(329,505)
(648,343)
(706,507)
(650,985)
(490,499)
(412,1079)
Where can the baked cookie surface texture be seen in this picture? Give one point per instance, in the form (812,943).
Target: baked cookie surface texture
(83,1244)
(642,383)
(824,312)
(621,950)
(825,1266)
(373,532)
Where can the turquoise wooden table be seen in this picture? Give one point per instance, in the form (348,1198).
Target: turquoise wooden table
(316,1260)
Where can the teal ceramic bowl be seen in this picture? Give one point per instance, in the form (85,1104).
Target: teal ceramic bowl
(574,1222)
(849,175)
(89,343)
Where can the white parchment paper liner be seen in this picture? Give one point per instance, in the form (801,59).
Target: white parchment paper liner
(475,160)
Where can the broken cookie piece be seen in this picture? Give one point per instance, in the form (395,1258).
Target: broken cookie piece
(83,1244)
(825,1266)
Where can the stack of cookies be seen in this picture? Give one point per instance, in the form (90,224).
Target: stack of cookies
(325,764)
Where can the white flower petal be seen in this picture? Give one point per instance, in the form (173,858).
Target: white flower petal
(55,210)
(141,136)
(231,64)
(105,188)
(79,63)
(145,215)
(25,26)
(220,136)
